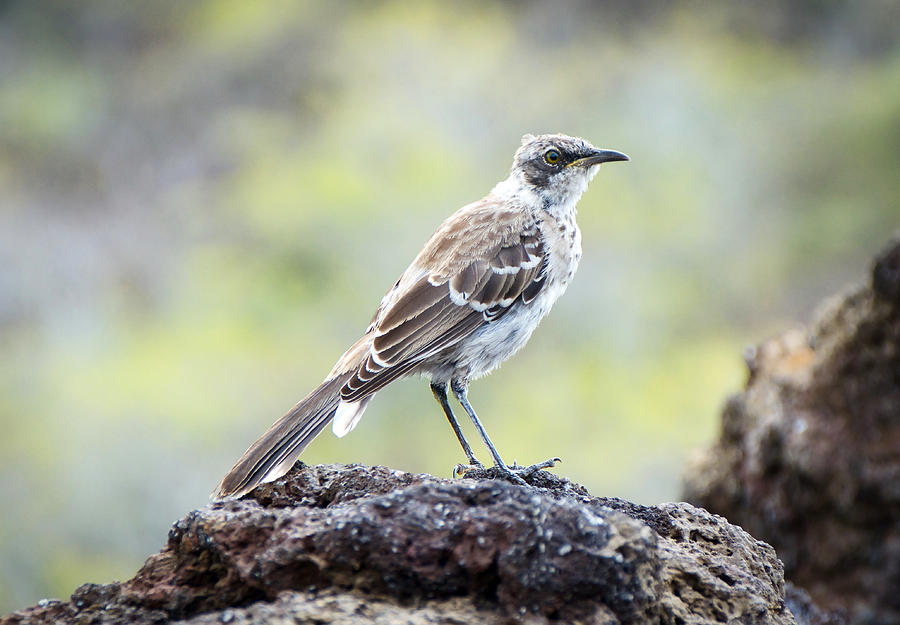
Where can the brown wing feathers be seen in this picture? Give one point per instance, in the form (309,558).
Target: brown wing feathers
(433,314)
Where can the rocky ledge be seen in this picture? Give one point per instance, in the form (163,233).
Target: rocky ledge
(356,544)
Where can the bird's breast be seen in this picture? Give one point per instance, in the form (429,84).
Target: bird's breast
(562,238)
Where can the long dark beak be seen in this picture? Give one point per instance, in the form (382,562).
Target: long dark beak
(600,156)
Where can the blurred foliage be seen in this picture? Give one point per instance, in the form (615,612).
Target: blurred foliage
(201,204)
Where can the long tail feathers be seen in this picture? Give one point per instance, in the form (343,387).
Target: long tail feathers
(275,452)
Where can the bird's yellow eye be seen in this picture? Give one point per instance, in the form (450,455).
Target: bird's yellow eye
(552,156)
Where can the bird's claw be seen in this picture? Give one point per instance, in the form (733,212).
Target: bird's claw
(461,469)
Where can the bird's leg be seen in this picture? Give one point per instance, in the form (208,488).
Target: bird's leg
(515,473)
(440,394)
(460,389)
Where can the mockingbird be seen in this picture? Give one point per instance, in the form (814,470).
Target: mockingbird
(469,300)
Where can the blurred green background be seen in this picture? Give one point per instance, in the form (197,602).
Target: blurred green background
(202,203)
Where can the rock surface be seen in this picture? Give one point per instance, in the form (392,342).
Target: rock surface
(809,454)
(354,544)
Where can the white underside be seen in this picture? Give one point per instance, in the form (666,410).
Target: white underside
(486,348)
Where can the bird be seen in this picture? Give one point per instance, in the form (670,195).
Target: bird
(469,300)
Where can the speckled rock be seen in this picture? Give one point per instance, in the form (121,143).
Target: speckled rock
(355,544)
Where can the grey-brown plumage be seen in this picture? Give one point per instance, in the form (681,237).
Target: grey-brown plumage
(469,300)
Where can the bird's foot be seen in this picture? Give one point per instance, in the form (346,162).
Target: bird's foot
(512,473)
(461,470)
(518,475)
(534,468)
(509,473)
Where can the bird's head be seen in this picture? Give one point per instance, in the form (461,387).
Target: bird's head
(558,167)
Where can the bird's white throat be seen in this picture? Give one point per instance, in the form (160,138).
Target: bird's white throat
(559,199)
